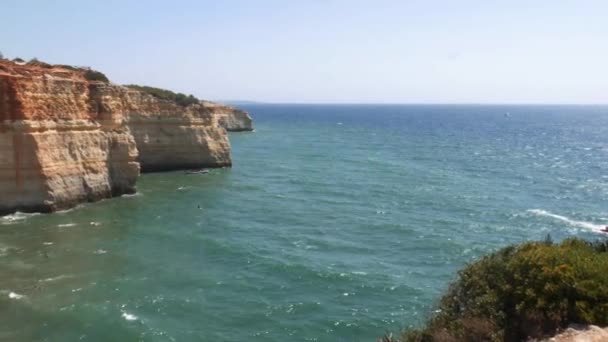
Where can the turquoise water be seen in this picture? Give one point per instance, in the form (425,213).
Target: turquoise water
(336,223)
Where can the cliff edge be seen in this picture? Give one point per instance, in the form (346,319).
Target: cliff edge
(68,136)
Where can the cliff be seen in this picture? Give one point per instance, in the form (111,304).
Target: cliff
(67,139)
(232,119)
(168,136)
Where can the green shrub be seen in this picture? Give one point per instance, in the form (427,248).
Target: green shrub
(18,60)
(531,290)
(164,94)
(35,61)
(68,67)
(93,75)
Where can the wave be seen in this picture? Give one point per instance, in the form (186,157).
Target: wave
(16,217)
(137,194)
(11,294)
(14,295)
(59,277)
(580,224)
(128,316)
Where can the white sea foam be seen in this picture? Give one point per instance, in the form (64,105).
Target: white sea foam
(67,211)
(59,277)
(100,251)
(574,223)
(16,217)
(13,295)
(137,194)
(64,225)
(128,316)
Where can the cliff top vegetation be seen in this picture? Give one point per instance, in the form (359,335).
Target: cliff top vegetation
(87,72)
(164,94)
(526,291)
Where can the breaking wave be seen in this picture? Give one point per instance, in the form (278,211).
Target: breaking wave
(16,217)
(571,222)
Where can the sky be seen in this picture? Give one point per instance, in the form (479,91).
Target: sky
(328,51)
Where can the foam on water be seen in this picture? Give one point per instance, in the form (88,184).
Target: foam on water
(134,195)
(16,217)
(59,277)
(128,316)
(13,295)
(579,224)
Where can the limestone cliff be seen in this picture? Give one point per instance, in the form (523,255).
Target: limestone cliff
(65,139)
(168,136)
(232,119)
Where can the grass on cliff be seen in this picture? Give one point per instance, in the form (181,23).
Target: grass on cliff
(89,74)
(164,94)
(529,290)
(93,75)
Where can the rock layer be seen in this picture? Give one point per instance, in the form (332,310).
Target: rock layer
(232,119)
(168,136)
(65,140)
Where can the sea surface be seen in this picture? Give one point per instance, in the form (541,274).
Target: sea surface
(336,223)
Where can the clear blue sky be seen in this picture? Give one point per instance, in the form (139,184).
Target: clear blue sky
(533,51)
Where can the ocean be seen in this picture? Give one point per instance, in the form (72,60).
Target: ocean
(336,223)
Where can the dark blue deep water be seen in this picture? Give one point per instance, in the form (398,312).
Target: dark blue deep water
(336,223)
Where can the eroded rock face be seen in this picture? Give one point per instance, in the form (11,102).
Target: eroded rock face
(53,153)
(65,140)
(232,119)
(168,136)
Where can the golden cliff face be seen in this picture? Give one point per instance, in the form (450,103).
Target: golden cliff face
(65,140)
(168,136)
(232,119)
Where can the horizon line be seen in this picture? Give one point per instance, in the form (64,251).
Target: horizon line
(247,102)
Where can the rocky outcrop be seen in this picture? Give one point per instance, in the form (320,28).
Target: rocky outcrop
(168,136)
(575,333)
(54,154)
(66,140)
(232,119)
